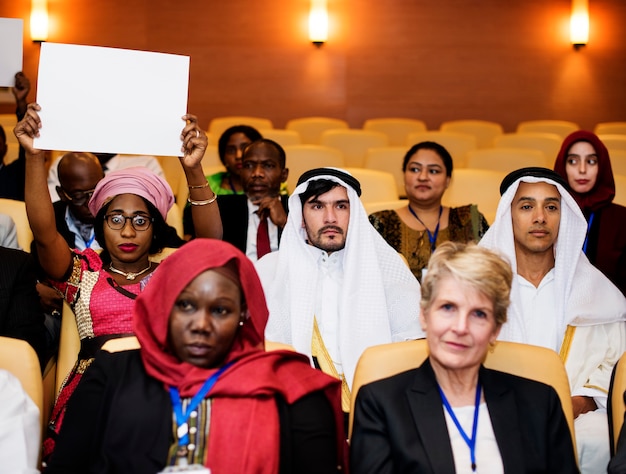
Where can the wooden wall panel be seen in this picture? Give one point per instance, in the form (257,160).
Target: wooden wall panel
(433,60)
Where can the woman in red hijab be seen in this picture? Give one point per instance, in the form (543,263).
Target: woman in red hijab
(584,162)
(202,391)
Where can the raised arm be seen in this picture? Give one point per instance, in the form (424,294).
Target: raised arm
(54,254)
(204,210)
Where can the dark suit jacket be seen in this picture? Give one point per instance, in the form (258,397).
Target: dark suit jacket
(234,214)
(119,420)
(399,425)
(21,315)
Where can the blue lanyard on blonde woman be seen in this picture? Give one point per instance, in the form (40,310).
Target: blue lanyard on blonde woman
(431,237)
(588,231)
(471,442)
(182,429)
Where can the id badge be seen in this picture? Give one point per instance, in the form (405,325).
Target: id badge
(195,468)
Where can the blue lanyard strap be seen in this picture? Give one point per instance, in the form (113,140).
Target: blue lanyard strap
(431,237)
(91,239)
(182,429)
(588,231)
(471,442)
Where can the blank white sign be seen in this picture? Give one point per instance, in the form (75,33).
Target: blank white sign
(108,100)
(11,38)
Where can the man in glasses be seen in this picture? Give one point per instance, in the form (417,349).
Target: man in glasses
(78,175)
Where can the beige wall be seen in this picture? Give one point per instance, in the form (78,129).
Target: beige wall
(430,59)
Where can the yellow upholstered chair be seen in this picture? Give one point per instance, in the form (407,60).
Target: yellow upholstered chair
(17,211)
(620,189)
(610,128)
(484,130)
(618,161)
(275,346)
(173,172)
(121,344)
(457,144)
(8,123)
(396,129)
(617,408)
(389,159)
(548,143)
(19,358)
(311,128)
(175,219)
(282,136)
(69,345)
(218,125)
(613,142)
(472,186)
(562,128)
(505,159)
(532,362)
(301,158)
(376,185)
(353,143)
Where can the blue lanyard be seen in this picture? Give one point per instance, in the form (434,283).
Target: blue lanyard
(431,237)
(588,231)
(471,443)
(181,418)
(90,241)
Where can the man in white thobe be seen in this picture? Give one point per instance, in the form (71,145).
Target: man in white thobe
(335,287)
(558,299)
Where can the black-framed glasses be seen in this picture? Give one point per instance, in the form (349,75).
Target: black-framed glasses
(79,197)
(118,221)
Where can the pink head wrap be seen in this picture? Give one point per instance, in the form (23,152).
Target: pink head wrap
(134,180)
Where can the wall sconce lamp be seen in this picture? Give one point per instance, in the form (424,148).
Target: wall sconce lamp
(39,20)
(318,22)
(579,23)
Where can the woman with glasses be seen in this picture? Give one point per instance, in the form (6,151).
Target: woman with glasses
(130,207)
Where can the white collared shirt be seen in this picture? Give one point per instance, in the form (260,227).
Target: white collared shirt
(79,241)
(253,225)
(329,287)
(539,312)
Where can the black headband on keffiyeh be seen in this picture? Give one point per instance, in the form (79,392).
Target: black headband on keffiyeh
(342,175)
(534,171)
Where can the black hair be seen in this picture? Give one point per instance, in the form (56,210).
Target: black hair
(437,148)
(282,157)
(160,230)
(3,135)
(316,188)
(250,132)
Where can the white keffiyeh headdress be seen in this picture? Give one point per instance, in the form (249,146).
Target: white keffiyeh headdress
(380,296)
(584,295)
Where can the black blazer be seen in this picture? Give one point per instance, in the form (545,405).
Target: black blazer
(234,213)
(119,420)
(21,315)
(400,427)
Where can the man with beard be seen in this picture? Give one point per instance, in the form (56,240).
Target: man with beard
(335,287)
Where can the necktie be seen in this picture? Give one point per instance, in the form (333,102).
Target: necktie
(262,238)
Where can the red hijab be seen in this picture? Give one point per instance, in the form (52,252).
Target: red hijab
(244,435)
(603,191)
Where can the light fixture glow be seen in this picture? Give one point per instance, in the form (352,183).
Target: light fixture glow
(39,20)
(318,22)
(579,23)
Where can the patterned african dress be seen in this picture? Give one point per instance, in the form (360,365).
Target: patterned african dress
(465,224)
(103,311)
